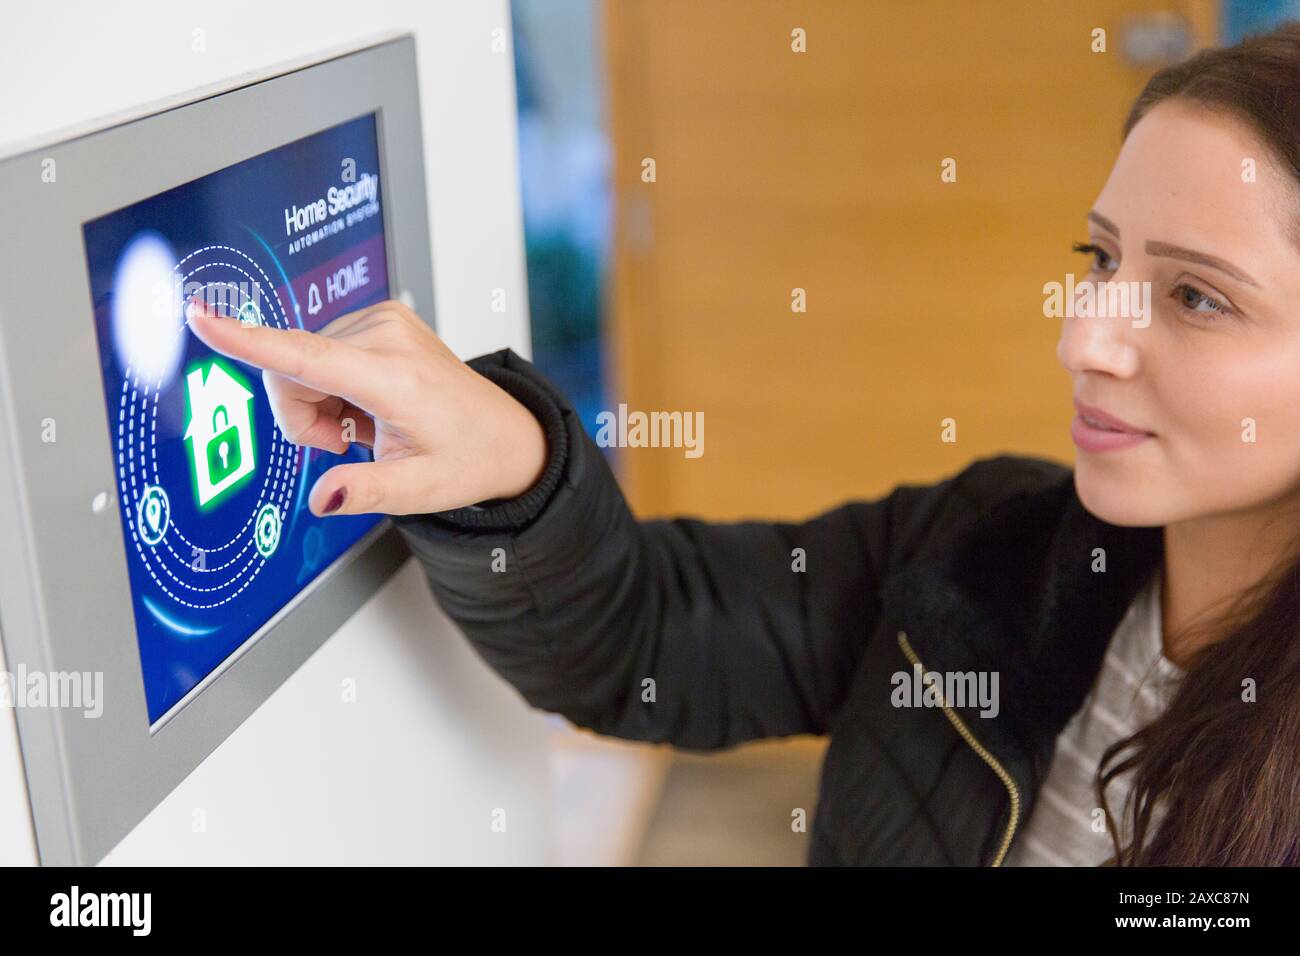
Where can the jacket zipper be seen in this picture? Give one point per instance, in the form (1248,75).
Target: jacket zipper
(1012,790)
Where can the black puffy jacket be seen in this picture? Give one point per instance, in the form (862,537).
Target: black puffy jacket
(995,569)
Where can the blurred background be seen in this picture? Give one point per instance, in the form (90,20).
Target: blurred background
(778,170)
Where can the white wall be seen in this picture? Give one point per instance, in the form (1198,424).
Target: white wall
(413,770)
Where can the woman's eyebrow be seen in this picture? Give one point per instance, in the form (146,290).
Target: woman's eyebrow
(1157,248)
(1105,223)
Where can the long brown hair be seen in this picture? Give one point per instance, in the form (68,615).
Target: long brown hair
(1225,769)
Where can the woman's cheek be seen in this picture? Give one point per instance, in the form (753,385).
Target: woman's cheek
(1248,444)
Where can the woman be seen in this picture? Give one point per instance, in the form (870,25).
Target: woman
(1136,618)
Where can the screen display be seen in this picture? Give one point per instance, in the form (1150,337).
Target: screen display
(212,497)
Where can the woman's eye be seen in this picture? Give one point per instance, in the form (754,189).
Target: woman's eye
(1193,300)
(1101,262)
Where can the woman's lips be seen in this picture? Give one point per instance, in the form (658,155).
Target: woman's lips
(1093,439)
(1094,430)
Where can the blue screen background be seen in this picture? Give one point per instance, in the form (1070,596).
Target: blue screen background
(204,589)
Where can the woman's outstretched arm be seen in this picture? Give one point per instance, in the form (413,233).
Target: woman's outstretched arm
(698,634)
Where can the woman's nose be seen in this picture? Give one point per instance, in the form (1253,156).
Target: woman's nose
(1092,343)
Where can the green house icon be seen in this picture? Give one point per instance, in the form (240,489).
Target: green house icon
(219,432)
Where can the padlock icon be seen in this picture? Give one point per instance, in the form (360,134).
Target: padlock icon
(223,448)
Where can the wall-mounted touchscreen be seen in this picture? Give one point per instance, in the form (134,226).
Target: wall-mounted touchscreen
(212,497)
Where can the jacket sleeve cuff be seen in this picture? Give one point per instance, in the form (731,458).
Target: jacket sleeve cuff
(526,385)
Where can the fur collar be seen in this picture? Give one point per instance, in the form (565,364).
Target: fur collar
(1016,594)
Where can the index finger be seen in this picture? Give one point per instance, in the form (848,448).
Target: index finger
(317,361)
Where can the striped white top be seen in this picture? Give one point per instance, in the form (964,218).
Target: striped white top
(1134,685)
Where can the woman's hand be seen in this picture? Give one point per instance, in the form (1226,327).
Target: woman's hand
(443,436)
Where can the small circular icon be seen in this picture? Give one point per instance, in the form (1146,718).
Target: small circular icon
(250,314)
(266,530)
(153,513)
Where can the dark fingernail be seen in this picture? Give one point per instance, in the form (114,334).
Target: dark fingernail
(336,502)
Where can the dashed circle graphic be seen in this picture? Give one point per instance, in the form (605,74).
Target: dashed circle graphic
(137,455)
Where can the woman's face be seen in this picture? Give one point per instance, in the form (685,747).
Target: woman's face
(1214,378)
